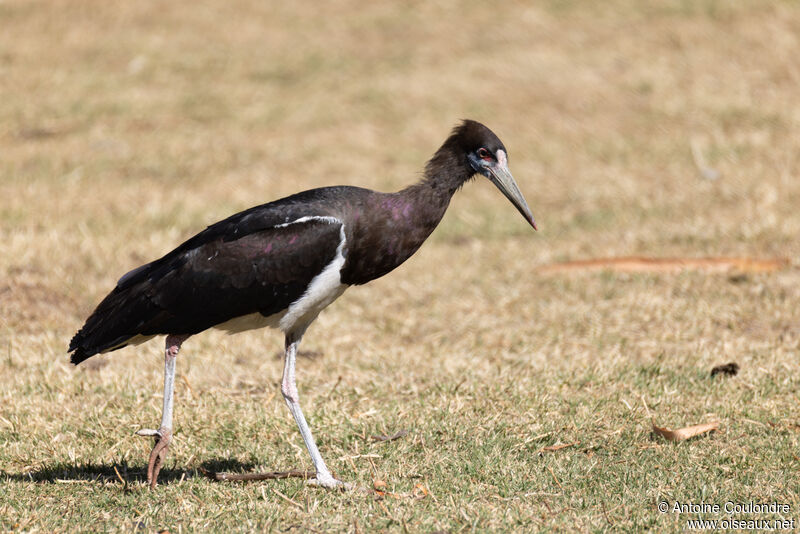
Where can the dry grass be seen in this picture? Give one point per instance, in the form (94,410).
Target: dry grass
(127,126)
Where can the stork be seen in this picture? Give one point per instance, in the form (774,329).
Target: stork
(280,264)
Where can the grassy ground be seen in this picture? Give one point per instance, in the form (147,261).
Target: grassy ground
(126,127)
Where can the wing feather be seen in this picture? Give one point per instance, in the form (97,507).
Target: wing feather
(259,261)
(261,272)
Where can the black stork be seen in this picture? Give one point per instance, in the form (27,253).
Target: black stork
(280,264)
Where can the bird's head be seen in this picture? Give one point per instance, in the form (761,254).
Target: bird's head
(486,155)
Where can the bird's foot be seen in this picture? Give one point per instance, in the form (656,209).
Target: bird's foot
(163,437)
(327,481)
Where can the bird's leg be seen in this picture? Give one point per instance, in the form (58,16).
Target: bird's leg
(289,390)
(163,436)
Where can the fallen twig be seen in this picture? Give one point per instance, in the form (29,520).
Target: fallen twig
(551,448)
(384,438)
(123,480)
(273,475)
(555,478)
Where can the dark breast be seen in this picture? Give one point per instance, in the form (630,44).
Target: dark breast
(384,230)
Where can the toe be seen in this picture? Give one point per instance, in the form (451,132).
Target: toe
(329,482)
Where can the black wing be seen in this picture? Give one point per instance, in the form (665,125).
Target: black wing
(260,260)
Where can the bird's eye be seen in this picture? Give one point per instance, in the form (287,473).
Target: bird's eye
(485,154)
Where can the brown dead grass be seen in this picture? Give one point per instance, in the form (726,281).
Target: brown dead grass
(127,126)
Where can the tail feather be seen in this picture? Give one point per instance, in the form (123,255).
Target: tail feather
(118,318)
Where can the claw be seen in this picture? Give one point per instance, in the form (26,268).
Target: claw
(163,437)
(330,483)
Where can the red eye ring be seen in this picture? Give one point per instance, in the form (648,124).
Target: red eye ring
(485,154)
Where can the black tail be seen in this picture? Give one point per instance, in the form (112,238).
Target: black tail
(119,317)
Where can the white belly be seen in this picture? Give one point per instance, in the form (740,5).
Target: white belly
(249,322)
(323,289)
(294,319)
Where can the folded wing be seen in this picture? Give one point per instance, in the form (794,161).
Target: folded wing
(234,268)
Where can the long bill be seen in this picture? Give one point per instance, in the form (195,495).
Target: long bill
(501,177)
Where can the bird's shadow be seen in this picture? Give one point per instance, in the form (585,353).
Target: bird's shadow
(121,472)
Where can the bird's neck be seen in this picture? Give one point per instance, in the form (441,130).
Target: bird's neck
(430,198)
(446,172)
(406,219)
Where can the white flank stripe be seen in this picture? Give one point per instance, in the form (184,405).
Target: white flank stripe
(321,291)
(324,288)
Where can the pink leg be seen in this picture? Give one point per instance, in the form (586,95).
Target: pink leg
(163,436)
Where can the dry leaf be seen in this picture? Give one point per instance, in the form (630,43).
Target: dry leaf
(685,433)
(420,491)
